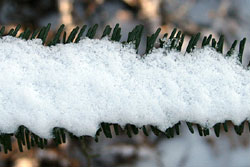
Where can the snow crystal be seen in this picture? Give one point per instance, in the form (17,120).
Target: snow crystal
(78,86)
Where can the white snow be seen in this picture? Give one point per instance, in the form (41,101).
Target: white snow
(78,86)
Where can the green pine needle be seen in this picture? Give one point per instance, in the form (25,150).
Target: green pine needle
(34,34)
(190,127)
(106,130)
(209,38)
(220,44)
(200,130)
(225,126)
(92,31)
(27,139)
(217,129)
(11,32)
(127,129)
(173,33)
(241,49)
(145,130)
(116,35)
(72,35)
(162,40)
(181,42)
(80,34)
(151,40)
(204,42)
(106,31)
(231,50)
(213,43)
(2,31)
(16,30)
(57,36)
(116,129)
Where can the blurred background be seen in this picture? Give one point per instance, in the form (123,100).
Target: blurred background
(228,17)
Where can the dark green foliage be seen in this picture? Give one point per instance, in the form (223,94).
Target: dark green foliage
(106,31)
(170,132)
(106,129)
(80,34)
(27,139)
(11,32)
(2,31)
(24,139)
(248,125)
(178,35)
(63,135)
(204,41)
(200,130)
(116,35)
(127,129)
(193,42)
(44,33)
(151,40)
(213,43)
(97,134)
(72,35)
(116,128)
(57,36)
(156,131)
(135,36)
(34,34)
(21,35)
(19,144)
(225,126)
(146,133)
(206,131)
(162,41)
(177,129)
(64,37)
(92,31)
(241,49)
(181,42)
(5,140)
(190,127)
(239,128)
(16,30)
(153,128)
(220,44)
(196,39)
(176,38)
(131,129)
(231,50)
(41,33)
(217,129)
(174,42)
(173,33)
(134,129)
(59,136)
(26,34)
(209,39)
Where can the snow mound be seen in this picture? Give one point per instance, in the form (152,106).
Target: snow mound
(78,86)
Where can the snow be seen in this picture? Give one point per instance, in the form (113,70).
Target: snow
(78,86)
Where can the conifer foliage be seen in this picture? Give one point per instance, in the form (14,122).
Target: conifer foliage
(25,138)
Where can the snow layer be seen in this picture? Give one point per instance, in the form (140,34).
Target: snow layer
(78,86)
